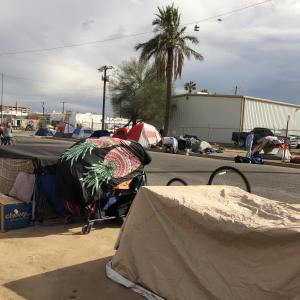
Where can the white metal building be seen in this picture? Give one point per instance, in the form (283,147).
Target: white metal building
(214,117)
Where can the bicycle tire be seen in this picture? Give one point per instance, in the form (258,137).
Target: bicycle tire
(176,179)
(214,178)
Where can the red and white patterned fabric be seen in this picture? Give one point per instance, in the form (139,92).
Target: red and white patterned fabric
(123,160)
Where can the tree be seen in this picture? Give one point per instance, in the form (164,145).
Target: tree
(168,48)
(204,91)
(189,87)
(136,92)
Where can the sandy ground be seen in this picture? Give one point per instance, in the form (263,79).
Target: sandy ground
(58,262)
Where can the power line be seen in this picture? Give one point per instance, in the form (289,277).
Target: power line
(229,12)
(24,79)
(74,45)
(129,35)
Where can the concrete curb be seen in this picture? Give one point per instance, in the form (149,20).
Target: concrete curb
(212,156)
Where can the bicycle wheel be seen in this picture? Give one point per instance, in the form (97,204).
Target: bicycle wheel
(176,181)
(229,176)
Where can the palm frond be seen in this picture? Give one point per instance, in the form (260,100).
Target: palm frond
(77,151)
(191,39)
(97,174)
(188,52)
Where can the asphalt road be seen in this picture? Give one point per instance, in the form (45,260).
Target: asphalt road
(278,183)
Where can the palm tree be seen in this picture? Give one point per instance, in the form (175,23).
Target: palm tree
(168,47)
(189,87)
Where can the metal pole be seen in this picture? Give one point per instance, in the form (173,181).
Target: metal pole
(103,101)
(43,106)
(286,135)
(2,98)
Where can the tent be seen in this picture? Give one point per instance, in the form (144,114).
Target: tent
(42,131)
(39,157)
(208,242)
(100,133)
(145,134)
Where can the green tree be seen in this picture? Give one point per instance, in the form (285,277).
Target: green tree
(137,93)
(168,47)
(204,91)
(189,87)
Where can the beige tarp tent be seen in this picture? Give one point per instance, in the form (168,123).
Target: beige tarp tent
(209,242)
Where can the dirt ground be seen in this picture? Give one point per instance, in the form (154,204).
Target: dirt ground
(57,263)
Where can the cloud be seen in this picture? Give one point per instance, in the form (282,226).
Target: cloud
(256,49)
(87,25)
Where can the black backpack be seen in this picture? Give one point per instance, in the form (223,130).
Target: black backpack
(242,159)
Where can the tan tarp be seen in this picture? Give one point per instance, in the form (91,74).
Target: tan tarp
(211,242)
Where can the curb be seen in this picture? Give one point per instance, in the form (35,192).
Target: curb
(266,162)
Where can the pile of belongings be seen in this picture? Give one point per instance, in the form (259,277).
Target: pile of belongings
(86,168)
(253,159)
(169,144)
(195,145)
(295,159)
(269,144)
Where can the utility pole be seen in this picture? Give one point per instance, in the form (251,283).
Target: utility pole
(105,79)
(63,111)
(236,88)
(63,104)
(43,106)
(2,98)
(16,124)
(286,136)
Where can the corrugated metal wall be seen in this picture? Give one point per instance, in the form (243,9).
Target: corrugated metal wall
(211,118)
(270,115)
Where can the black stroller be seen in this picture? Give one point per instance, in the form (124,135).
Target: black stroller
(99,178)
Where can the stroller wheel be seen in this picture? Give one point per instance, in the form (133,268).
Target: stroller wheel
(86,229)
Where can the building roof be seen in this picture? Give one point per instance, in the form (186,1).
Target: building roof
(239,97)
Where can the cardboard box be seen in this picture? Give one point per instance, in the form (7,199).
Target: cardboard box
(14,213)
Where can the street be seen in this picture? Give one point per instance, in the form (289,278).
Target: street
(278,183)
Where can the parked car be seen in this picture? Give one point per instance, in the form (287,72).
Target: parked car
(82,133)
(43,131)
(294,141)
(239,138)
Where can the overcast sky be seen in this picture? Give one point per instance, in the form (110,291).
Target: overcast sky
(256,49)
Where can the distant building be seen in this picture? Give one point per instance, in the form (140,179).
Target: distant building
(214,117)
(17,115)
(88,120)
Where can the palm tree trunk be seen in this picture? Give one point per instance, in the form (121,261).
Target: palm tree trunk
(169,75)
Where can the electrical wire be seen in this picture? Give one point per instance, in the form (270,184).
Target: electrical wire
(229,12)
(129,35)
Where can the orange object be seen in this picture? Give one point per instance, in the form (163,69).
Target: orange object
(124,185)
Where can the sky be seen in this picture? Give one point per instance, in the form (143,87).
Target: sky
(256,49)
